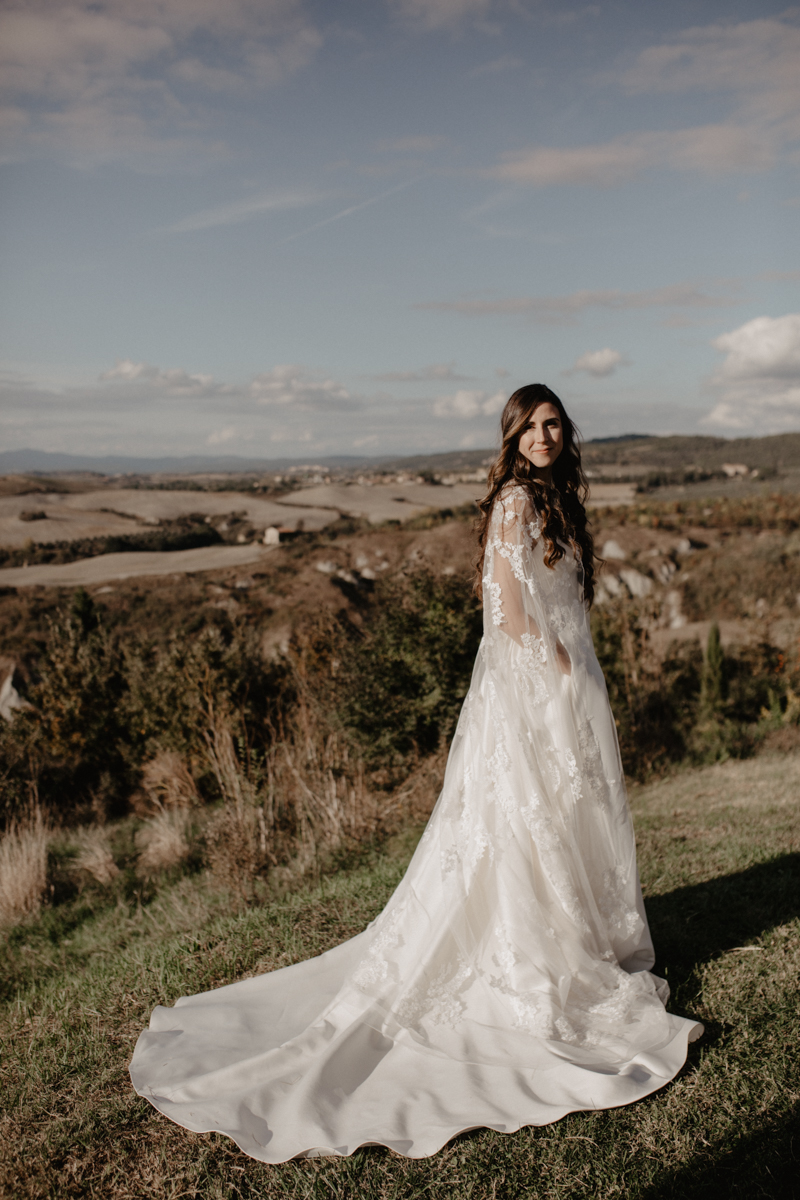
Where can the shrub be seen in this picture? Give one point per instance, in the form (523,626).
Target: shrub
(93,854)
(398,682)
(167,781)
(162,842)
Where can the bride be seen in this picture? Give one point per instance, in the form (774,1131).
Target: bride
(507,982)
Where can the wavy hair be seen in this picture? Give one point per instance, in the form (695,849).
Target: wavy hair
(560,504)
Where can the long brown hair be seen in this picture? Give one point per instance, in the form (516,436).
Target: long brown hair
(560,504)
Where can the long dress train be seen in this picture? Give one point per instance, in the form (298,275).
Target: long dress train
(507,982)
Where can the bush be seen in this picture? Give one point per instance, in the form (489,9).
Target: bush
(104,708)
(398,682)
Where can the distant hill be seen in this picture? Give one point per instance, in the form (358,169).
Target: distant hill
(45,461)
(777,452)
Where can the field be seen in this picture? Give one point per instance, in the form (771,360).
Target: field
(720,862)
(233,765)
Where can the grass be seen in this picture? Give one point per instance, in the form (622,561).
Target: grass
(720,865)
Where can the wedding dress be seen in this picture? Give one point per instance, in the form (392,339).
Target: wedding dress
(507,982)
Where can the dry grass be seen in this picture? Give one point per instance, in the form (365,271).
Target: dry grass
(317,771)
(23,868)
(167,781)
(93,853)
(163,842)
(307,801)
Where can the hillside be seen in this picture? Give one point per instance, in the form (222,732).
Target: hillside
(719,854)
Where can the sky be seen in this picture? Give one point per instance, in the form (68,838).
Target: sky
(288,228)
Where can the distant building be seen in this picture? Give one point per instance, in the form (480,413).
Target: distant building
(734,469)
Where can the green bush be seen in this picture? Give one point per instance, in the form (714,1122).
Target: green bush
(396,682)
(102,704)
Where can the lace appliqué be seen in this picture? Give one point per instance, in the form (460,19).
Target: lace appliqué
(441,1002)
(496,594)
(375,968)
(593,771)
(533,660)
(612,904)
(574,775)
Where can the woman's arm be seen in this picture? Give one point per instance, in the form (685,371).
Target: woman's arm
(510,576)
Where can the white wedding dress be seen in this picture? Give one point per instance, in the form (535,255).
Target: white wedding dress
(507,982)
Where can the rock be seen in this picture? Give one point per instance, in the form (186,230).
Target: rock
(10,699)
(672,610)
(327,568)
(612,549)
(665,570)
(638,585)
(612,585)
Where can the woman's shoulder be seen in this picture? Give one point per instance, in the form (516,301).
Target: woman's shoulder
(514,508)
(515,499)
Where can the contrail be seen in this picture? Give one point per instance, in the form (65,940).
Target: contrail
(346,212)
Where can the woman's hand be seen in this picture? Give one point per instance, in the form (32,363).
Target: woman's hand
(563,659)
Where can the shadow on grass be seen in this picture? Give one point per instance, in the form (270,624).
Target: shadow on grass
(695,923)
(761,1165)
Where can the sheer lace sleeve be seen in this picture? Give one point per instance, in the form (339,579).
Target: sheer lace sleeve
(514,602)
(512,531)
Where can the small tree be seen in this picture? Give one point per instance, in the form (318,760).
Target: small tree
(711,685)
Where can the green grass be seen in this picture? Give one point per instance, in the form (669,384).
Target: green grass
(720,865)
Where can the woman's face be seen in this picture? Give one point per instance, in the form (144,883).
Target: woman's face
(542,440)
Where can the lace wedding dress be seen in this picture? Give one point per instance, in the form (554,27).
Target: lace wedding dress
(507,982)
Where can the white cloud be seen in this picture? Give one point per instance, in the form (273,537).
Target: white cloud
(243,210)
(287,385)
(220,436)
(293,385)
(437,371)
(553,309)
(104,78)
(758,384)
(598,363)
(756,62)
(467,405)
(708,149)
(172,381)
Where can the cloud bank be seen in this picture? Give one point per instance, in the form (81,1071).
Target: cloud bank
(467,405)
(106,79)
(556,309)
(755,62)
(758,383)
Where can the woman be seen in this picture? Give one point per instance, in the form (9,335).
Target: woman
(507,982)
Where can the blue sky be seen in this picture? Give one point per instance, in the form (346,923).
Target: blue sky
(280,227)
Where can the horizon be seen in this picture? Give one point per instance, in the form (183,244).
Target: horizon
(209,462)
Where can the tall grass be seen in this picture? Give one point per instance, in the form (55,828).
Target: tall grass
(23,868)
